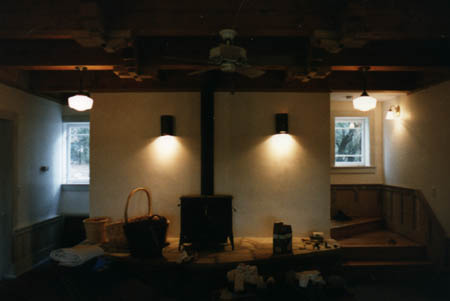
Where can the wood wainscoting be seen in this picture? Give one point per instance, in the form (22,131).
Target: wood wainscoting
(407,212)
(357,200)
(33,244)
(404,211)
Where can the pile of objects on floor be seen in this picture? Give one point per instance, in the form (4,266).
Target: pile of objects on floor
(316,241)
(244,282)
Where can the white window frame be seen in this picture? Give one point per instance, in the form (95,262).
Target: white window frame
(365,143)
(66,153)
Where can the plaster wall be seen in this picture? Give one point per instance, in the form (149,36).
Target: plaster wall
(375,173)
(74,202)
(417,147)
(271,178)
(38,144)
(274,177)
(127,151)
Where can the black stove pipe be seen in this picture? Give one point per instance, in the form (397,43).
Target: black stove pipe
(207,132)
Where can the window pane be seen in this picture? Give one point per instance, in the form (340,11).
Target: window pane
(75,130)
(349,159)
(78,157)
(348,141)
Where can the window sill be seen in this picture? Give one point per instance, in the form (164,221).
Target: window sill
(353,169)
(75,187)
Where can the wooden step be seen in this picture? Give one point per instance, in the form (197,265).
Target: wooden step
(341,230)
(388,253)
(381,245)
(387,271)
(388,264)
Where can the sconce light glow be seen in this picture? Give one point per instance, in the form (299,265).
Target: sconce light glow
(393,113)
(80,102)
(165,148)
(281,145)
(364,102)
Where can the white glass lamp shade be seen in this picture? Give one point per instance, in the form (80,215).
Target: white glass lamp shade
(80,102)
(365,102)
(390,115)
(393,112)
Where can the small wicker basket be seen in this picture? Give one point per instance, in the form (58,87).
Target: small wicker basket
(95,229)
(115,236)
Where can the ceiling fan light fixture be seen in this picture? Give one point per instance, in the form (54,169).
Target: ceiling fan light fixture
(364,102)
(80,102)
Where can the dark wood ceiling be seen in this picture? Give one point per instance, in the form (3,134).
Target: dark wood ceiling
(303,45)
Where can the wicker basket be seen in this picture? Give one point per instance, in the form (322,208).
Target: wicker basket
(115,236)
(146,235)
(95,229)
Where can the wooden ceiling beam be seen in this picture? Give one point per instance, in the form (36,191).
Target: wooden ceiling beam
(53,55)
(105,81)
(372,20)
(267,53)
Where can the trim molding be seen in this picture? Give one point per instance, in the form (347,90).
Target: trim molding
(75,187)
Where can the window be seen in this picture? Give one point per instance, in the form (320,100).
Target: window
(76,152)
(351,141)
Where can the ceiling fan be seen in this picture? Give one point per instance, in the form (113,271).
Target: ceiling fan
(227,57)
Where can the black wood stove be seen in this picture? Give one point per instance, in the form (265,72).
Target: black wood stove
(207,219)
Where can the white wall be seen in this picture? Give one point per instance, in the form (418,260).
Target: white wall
(417,147)
(374,174)
(268,179)
(274,177)
(74,201)
(39,144)
(127,151)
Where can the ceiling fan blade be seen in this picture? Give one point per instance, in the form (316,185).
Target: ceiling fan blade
(186,60)
(210,68)
(250,72)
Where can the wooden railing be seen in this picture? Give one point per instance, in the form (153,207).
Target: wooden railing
(404,210)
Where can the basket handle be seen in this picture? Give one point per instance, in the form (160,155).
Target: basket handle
(149,198)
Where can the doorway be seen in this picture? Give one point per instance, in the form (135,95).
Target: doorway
(6,193)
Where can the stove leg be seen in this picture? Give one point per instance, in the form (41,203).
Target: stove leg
(231,241)
(180,242)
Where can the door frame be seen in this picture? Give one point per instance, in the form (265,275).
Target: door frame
(13,117)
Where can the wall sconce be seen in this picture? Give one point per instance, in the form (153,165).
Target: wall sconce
(393,112)
(281,123)
(167,125)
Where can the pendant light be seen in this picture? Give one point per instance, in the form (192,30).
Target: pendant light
(364,102)
(81,101)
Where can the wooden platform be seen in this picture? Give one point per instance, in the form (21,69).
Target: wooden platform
(358,225)
(381,251)
(378,239)
(251,250)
